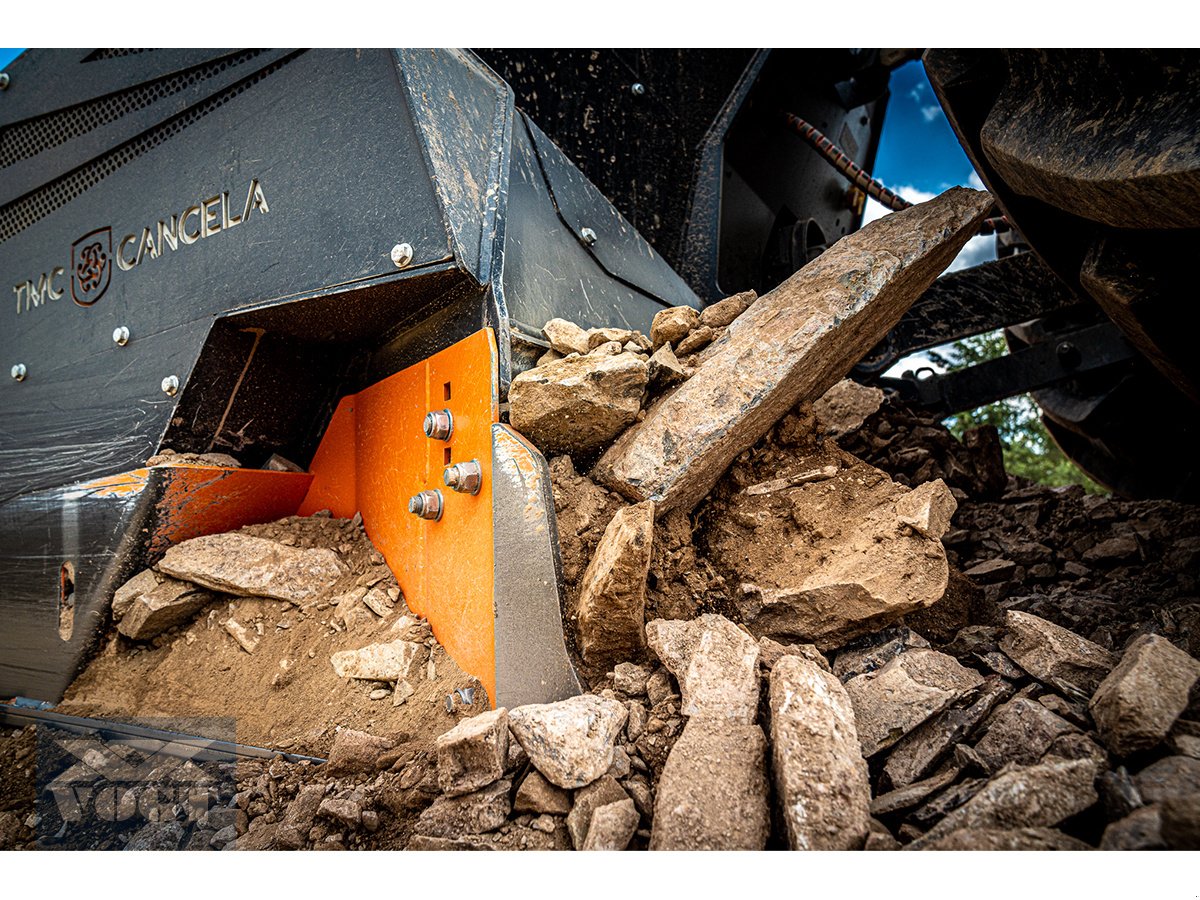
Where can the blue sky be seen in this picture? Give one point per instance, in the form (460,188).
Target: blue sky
(7,55)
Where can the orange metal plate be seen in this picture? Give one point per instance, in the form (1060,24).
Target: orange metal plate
(374,457)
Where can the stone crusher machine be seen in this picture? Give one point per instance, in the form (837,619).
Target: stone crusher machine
(340,259)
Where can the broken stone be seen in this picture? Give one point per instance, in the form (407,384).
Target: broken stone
(793,344)
(548,357)
(851,574)
(723,312)
(612,348)
(482,811)
(473,753)
(670,326)
(538,796)
(880,838)
(1140,830)
(1113,550)
(917,684)
(819,773)
(1021,731)
(712,794)
(927,509)
(1181,822)
(356,751)
(1042,795)
(630,679)
(876,652)
(1136,705)
(993,571)
(377,662)
(142,583)
(302,810)
(1006,839)
(612,826)
(1172,776)
(377,601)
(402,691)
(235,563)
(697,340)
(598,336)
(345,811)
(659,687)
(844,407)
(715,662)
(612,594)
(602,792)
(151,612)
(782,484)
(770,652)
(579,403)
(665,368)
(571,741)
(914,794)
(566,337)
(1053,654)
(244,636)
(425,843)
(917,753)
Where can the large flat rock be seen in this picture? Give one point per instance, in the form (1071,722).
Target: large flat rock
(1056,656)
(793,344)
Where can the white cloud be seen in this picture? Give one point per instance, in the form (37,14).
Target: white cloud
(974,181)
(978,249)
(929,113)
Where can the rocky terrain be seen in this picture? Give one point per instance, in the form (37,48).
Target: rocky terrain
(808,618)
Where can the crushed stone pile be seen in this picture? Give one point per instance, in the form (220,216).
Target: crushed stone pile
(807,618)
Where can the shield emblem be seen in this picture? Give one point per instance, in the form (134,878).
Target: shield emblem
(91,266)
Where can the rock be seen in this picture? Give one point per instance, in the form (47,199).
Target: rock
(770,652)
(1020,731)
(426,843)
(1172,776)
(1181,822)
(566,337)
(166,605)
(345,810)
(401,692)
(378,662)
(855,569)
(1136,705)
(665,368)
(303,809)
(235,563)
(1113,550)
(157,836)
(636,723)
(612,594)
(891,702)
(537,795)
(927,509)
(715,662)
(476,813)
(612,826)
(579,403)
(844,407)
(1118,793)
(355,751)
(1042,795)
(1140,830)
(630,679)
(712,794)
(143,582)
(1050,653)
(622,336)
(916,754)
(914,794)
(659,687)
(571,741)
(670,326)
(602,792)
(819,774)
(612,348)
(880,838)
(875,652)
(1006,839)
(378,602)
(993,571)
(473,753)
(723,312)
(944,803)
(699,338)
(793,344)
(246,637)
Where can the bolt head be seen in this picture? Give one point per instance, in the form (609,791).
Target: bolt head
(637,89)
(170,385)
(18,372)
(4,80)
(402,255)
(426,505)
(588,236)
(439,425)
(120,335)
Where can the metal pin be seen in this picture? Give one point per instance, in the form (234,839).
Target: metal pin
(19,372)
(426,505)
(120,335)
(589,236)
(439,425)
(170,385)
(402,255)
(464,477)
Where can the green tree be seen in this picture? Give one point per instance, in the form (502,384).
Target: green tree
(1029,451)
